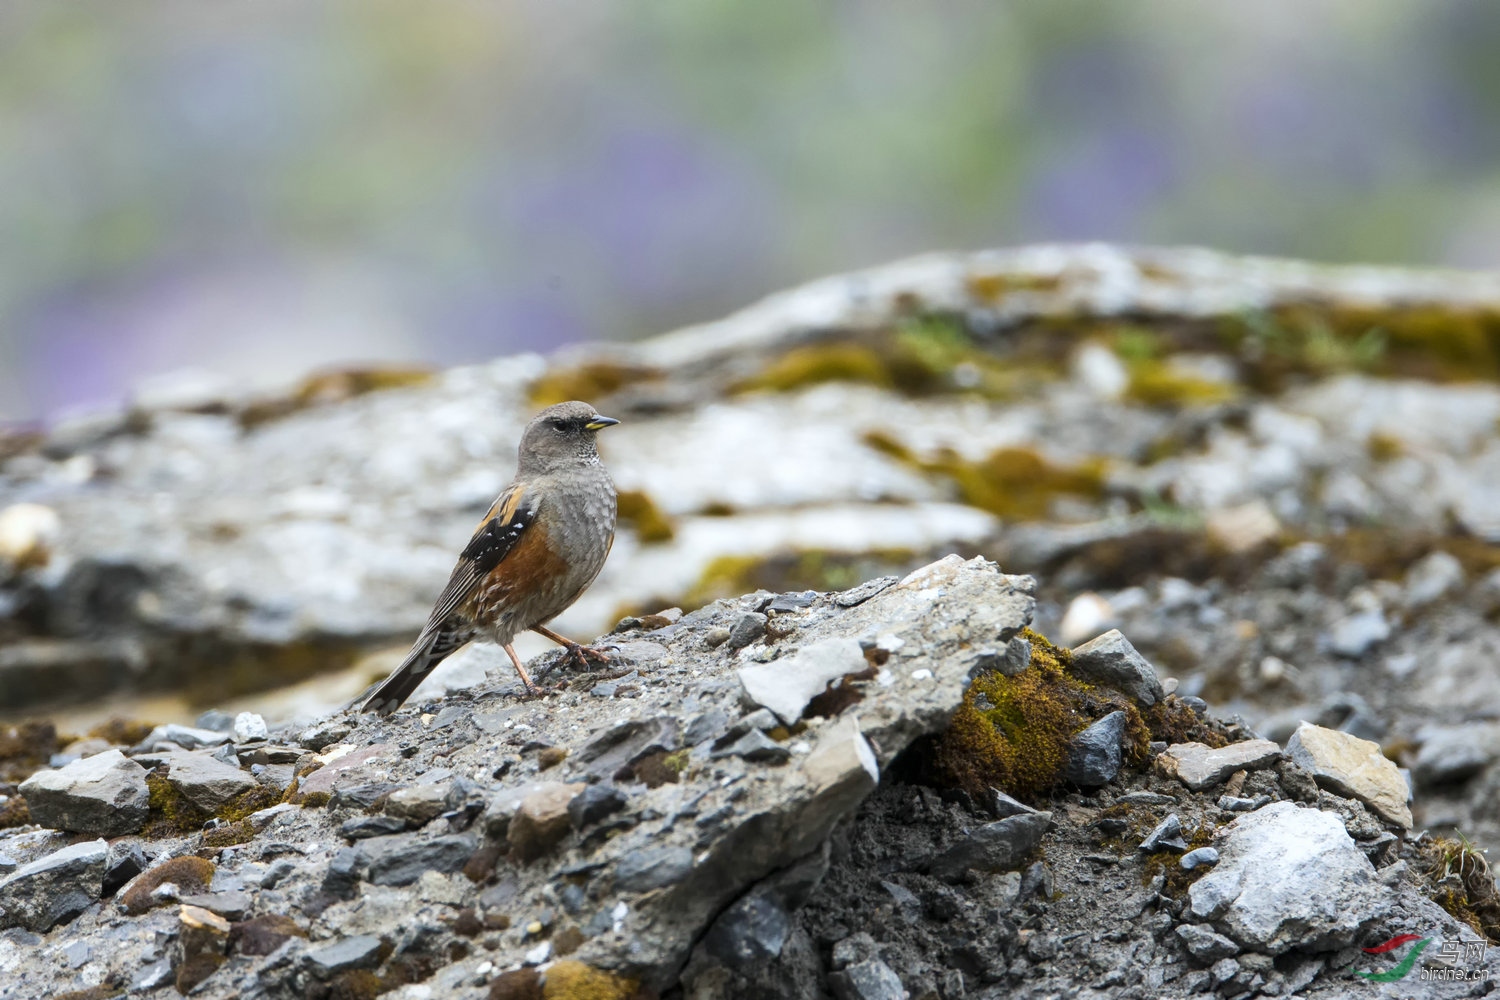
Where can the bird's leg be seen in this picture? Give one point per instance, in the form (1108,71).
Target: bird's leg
(525,678)
(577,651)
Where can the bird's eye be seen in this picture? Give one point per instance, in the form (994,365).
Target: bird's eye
(558,424)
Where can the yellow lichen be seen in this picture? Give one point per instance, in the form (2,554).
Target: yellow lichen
(572,980)
(639,512)
(590,381)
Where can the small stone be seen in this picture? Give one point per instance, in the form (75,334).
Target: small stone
(54,889)
(541,820)
(401,859)
(207,783)
(1347,765)
(652,868)
(361,951)
(715,637)
(868,980)
(1002,805)
(1094,755)
(786,685)
(264,934)
(1224,970)
(783,603)
(994,847)
(1198,766)
(185,738)
(755,746)
(1204,944)
(202,940)
(750,931)
(1198,858)
(364,827)
(344,768)
(325,734)
(104,794)
(1431,578)
(1355,635)
(1242,528)
(249,727)
(126,861)
(705,727)
(229,905)
(1112,661)
(418,804)
(1233,803)
(595,803)
(1453,754)
(28,534)
(1166,836)
(746,629)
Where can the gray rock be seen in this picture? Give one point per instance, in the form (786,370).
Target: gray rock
(1167,835)
(871,979)
(184,737)
(627,742)
(1094,755)
(1112,661)
(1355,635)
(855,596)
(126,860)
(786,685)
(1204,944)
(207,783)
(1224,970)
(715,637)
(364,827)
(1198,766)
(1454,754)
(755,746)
(104,794)
(1287,878)
(594,803)
(1002,805)
(1431,578)
(54,889)
(361,951)
(751,931)
(1234,803)
(401,859)
(747,628)
(418,804)
(705,727)
(1198,858)
(994,847)
(642,871)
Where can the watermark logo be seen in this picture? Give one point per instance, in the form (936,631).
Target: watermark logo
(1451,951)
(1404,966)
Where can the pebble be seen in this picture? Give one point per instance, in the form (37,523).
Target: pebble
(1204,943)
(249,727)
(1095,755)
(1198,766)
(747,628)
(787,684)
(1166,835)
(1355,635)
(1198,857)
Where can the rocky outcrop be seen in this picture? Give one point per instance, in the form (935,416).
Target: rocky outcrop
(709,829)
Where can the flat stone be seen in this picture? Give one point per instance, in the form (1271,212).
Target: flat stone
(1204,943)
(401,859)
(1166,835)
(350,767)
(206,782)
(627,742)
(104,794)
(362,951)
(541,820)
(1347,765)
(202,940)
(364,827)
(1112,661)
(1198,858)
(54,889)
(653,868)
(750,931)
(1094,755)
(786,685)
(418,804)
(754,745)
(229,905)
(185,737)
(594,803)
(994,847)
(1289,878)
(871,979)
(1198,766)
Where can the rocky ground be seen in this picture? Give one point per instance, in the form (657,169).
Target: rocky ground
(1278,480)
(775,795)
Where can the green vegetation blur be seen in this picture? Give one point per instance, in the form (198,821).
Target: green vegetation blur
(255,189)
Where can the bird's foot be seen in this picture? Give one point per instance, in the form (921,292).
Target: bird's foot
(580,655)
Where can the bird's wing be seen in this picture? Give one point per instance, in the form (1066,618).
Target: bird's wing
(493,540)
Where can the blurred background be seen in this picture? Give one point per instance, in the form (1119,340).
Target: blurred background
(256,189)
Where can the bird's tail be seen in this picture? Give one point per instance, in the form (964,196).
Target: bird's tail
(431,648)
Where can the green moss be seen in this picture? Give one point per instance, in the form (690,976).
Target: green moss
(1013,483)
(1158,384)
(572,980)
(228,835)
(639,511)
(170,810)
(246,803)
(818,363)
(1167,863)
(591,381)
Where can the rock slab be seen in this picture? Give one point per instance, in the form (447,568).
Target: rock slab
(1289,877)
(1198,766)
(1352,767)
(104,794)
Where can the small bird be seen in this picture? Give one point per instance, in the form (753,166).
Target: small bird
(538,548)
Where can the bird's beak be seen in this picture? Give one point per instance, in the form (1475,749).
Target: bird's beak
(599,423)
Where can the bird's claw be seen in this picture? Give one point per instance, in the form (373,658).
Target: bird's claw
(580,655)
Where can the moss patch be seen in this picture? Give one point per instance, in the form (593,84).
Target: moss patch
(1463,883)
(1014,483)
(640,513)
(189,874)
(1013,733)
(572,980)
(590,381)
(807,569)
(332,387)
(121,731)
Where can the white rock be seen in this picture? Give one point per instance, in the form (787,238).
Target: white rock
(1434,576)
(1352,767)
(1101,371)
(248,726)
(1289,878)
(785,686)
(28,534)
(1088,615)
